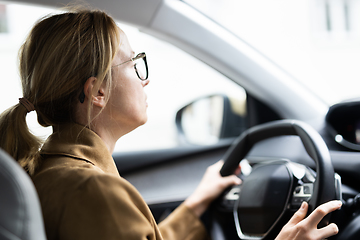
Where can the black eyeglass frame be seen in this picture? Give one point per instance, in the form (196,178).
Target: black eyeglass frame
(139,56)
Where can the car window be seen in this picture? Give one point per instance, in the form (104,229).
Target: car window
(315,41)
(176,79)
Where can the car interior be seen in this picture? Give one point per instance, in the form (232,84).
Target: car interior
(21,217)
(291,145)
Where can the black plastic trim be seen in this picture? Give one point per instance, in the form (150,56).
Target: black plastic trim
(130,161)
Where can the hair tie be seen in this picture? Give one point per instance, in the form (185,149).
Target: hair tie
(28,105)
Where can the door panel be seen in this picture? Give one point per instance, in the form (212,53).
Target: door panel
(167,181)
(171,179)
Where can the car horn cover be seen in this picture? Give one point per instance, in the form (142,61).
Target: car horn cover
(257,211)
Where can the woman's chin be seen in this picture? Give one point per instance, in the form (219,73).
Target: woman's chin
(141,121)
(144,120)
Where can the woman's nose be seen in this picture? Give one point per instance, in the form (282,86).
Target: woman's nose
(145,82)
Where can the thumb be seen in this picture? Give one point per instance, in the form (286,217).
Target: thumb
(231,180)
(299,214)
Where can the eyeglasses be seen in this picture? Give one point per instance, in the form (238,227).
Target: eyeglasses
(141,67)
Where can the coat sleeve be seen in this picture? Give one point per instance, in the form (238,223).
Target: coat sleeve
(108,208)
(183,224)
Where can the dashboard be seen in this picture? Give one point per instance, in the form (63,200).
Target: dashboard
(343,124)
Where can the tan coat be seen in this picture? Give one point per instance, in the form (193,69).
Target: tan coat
(83,197)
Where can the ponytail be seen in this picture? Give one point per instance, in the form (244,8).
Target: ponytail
(17,140)
(61,52)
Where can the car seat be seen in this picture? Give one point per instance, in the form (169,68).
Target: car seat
(20,212)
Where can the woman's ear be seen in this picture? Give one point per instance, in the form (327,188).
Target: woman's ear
(97,97)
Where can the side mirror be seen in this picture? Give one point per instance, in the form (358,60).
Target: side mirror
(209,119)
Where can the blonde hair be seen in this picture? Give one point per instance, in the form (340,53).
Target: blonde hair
(61,52)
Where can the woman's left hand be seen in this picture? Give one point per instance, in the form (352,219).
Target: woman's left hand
(210,187)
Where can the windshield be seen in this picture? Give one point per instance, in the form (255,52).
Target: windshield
(316,41)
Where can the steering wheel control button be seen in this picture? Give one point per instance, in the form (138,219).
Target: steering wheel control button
(233,194)
(301,194)
(307,190)
(296,202)
(229,199)
(304,190)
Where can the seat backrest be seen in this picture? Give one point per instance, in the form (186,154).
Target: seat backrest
(20,212)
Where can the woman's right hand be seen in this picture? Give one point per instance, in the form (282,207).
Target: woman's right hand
(306,229)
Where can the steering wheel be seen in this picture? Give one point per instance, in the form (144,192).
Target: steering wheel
(274,187)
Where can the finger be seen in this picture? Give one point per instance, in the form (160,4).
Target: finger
(218,165)
(299,215)
(327,231)
(315,217)
(231,180)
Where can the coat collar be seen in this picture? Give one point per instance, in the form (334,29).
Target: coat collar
(78,142)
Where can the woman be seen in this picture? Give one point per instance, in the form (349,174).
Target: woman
(81,76)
